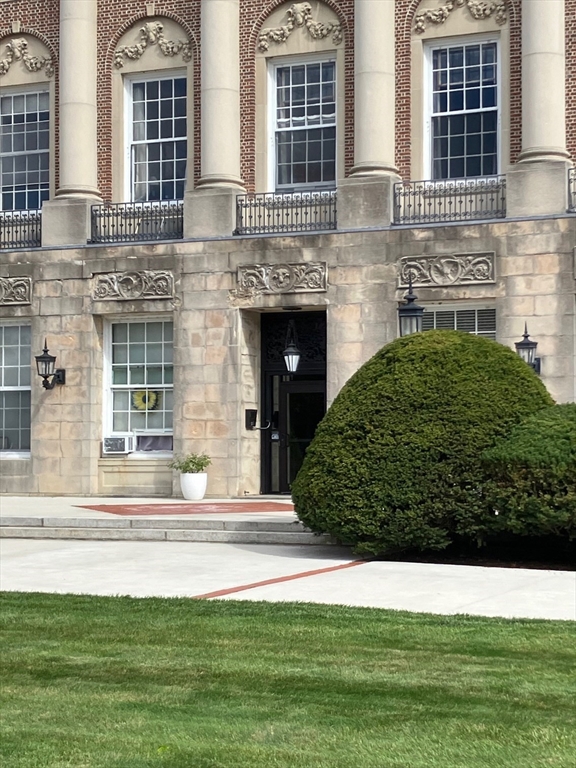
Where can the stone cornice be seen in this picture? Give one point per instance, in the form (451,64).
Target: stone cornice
(478,9)
(152,33)
(17,50)
(299,15)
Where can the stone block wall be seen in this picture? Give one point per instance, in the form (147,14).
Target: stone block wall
(217,333)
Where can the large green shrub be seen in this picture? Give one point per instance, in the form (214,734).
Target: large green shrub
(395,464)
(532,475)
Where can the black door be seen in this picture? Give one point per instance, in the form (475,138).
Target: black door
(302,406)
(292,404)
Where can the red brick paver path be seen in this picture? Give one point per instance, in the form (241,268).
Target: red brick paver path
(199,508)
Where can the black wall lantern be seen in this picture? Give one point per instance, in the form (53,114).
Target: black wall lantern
(291,354)
(410,313)
(45,365)
(527,350)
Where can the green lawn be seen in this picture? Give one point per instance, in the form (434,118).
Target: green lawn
(122,683)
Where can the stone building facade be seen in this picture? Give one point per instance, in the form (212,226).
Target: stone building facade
(190,185)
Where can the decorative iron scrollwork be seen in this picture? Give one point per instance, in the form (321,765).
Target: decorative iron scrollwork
(15,290)
(127,286)
(310,277)
(457,269)
(311,332)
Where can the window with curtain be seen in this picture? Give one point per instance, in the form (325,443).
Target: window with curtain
(24,150)
(464,119)
(158,142)
(305,125)
(141,382)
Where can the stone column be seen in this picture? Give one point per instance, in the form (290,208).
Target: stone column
(539,181)
(365,199)
(66,219)
(210,210)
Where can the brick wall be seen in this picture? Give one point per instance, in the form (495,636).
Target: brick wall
(40,18)
(571,77)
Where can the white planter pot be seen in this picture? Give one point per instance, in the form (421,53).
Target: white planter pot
(193,485)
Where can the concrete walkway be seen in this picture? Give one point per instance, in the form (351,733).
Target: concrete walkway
(318,574)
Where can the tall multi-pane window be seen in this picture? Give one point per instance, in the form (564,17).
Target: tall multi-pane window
(158,144)
(141,381)
(15,352)
(464,110)
(480,322)
(24,150)
(305,125)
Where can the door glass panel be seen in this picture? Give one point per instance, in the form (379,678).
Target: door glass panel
(304,412)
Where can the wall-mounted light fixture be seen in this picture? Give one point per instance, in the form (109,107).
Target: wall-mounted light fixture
(45,364)
(526,348)
(291,354)
(250,417)
(410,313)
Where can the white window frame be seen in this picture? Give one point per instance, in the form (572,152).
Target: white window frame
(455,306)
(143,77)
(23,90)
(20,454)
(429,47)
(272,65)
(107,399)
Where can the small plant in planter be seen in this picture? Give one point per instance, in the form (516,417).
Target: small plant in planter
(193,478)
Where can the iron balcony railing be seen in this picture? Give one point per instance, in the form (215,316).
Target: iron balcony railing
(20,229)
(266,214)
(572,190)
(136,222)
(426,202)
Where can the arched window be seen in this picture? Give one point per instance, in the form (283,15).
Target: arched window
(152,113)
(300,99)
(26,123)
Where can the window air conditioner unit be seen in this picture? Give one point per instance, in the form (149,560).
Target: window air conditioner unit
(118,445)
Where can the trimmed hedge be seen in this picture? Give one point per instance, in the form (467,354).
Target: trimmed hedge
(395,463)
(532,485)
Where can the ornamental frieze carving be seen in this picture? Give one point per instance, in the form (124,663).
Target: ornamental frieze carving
(299,15)
(310,277)
(17,50)
(152,33)
(127,286)
(15,290)
(456,269)
(478,9)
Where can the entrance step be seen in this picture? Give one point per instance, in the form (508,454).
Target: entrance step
(123,529)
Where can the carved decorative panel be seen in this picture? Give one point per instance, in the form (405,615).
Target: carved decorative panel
(17,50)
(453,269)
(310,277)
(152,33)
(15,290)
(478,9)
(127,286)
(299,15)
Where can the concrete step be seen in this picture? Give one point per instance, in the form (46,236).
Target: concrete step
(197,524)
(123,529)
